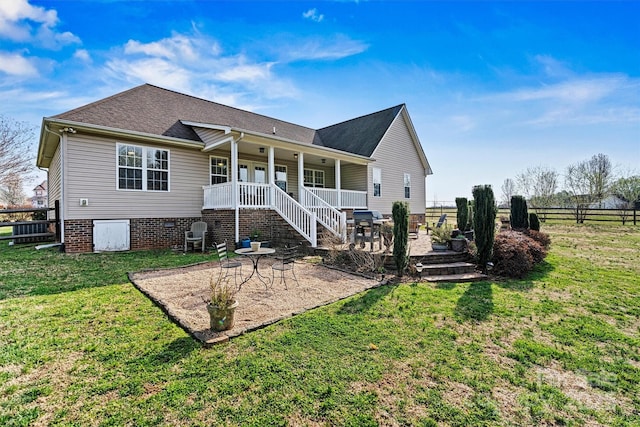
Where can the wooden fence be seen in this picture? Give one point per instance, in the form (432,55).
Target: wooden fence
(620,216)
(33,230)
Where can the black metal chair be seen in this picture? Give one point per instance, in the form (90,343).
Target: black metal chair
(226,264)
(285,261)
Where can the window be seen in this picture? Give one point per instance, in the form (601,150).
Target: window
(281,177)
(313,178)
(142,168)
(377,182)
(407,186)
(218,170)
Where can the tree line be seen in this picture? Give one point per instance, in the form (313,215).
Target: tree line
(584,184)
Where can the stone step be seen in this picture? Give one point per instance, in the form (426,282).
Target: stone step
(456,278)
(448,268)
(441,257)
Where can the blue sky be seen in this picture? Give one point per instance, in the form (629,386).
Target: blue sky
(492,87)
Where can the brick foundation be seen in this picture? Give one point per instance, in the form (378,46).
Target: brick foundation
(78,235)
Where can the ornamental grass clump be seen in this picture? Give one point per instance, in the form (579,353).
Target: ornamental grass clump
(223,294)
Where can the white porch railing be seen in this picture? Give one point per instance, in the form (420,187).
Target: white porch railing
(349,199)
(253,195)
(217,196)
(303,220)
(334,220)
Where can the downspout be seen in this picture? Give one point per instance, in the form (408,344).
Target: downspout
(62,142)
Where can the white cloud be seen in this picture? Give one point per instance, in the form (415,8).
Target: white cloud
(16,23)
(16,65)
(82,55)
(195,64)
(320,48)
(313,15)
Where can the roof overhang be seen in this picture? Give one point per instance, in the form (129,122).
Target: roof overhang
(52,129)
(279,142)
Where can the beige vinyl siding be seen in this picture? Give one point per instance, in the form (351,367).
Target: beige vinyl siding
(396,155)
(354,177)
(91,171)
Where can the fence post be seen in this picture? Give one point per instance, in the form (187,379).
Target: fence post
(634,215)
(56,211)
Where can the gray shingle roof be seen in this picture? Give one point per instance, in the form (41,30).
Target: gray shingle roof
(360,135)
(154,110)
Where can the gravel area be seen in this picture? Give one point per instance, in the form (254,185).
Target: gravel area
(181,293)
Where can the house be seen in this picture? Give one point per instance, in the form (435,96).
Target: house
(134,170)
(40,194)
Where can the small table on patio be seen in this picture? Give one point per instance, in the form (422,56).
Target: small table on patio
(255,258)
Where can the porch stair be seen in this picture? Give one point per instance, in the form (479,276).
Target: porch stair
(448,267)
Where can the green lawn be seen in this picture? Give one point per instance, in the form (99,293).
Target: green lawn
(81,346)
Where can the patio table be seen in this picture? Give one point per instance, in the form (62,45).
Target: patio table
(255,259)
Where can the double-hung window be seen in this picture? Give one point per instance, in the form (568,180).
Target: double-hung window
(313,178)
(142,168)
(219,170)
(407,186)
(377,182)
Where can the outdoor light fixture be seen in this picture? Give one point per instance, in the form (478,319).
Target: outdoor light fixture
(324,161)
(419,268)
(295,155)
(262,149)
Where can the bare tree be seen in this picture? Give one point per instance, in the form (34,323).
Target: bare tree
(508,190)
(627,189)
(539,185)
(16,158)
(588,182)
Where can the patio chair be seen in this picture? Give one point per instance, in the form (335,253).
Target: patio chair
(285,260)
(196,236)
(441,221)
(414,229)
(227,264)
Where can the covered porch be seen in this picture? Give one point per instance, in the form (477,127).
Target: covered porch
(305,184)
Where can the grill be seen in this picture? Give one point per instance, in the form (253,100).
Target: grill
(363,221)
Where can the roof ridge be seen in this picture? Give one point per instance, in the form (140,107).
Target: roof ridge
(225,105)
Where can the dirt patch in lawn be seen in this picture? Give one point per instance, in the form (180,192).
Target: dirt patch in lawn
(181,293)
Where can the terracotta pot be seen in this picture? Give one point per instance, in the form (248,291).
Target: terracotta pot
(221,318)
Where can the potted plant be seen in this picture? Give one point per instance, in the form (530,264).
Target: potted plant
(459,243)
(440,238)
(222,304)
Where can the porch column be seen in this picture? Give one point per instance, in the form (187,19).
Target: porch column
(338,184)
(234,186)
(301,179)
(271,170)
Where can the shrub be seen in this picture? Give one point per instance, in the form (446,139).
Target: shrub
(540,237)
(462,214)
(515,254)
(534,222)
(400,214)
(484,222)
(519,213)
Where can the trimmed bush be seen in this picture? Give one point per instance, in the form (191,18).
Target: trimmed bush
(484,223)
(515,254)
(519,213)
(462,214)
(540,237)
(534,222)
(400,214)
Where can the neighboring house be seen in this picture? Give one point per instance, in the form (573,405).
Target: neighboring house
(134,170)
(40,194)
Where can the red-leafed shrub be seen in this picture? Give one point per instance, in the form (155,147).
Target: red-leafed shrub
(515,254)
(540,237)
